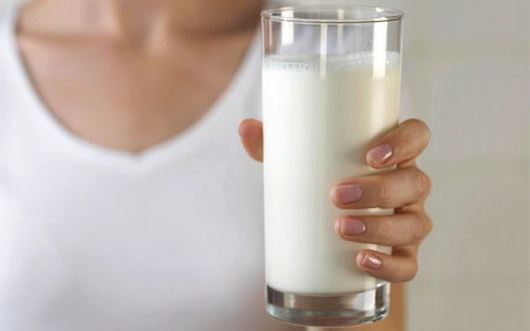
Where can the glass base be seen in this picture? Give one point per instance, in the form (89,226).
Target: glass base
(329,310)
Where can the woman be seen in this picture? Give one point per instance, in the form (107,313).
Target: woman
(125,200)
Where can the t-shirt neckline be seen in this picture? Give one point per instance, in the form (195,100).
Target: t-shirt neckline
(177,146)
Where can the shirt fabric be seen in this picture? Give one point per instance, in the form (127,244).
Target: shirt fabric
(96,239)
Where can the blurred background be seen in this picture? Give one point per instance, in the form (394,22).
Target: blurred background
(467,73)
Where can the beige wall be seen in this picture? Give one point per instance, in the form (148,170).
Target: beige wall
(469,71)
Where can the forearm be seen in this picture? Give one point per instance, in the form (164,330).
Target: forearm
(394,322)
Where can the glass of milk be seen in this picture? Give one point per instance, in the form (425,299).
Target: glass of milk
(331,84)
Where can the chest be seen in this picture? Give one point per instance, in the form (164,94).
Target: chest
(124,98)
(94,243)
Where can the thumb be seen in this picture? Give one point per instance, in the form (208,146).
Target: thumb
(251,133)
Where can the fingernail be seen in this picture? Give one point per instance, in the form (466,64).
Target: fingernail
(369,261)
(379,155)
(351,226)
(347,193)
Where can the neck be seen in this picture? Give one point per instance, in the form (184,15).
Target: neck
(138,21)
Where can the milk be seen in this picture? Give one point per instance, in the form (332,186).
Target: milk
(319,116)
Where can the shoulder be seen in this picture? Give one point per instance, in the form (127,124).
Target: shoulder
(10,76)
(250,77)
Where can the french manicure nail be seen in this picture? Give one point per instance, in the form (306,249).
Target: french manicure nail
(352,226)
(347,193)
(379,155)
(370,261)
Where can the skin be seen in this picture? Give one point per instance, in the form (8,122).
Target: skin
(126,81)
(129,74)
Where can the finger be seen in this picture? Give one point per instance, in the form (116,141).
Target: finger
(391,230)
(403,143)
(390,189)
(401,266)
(251,133)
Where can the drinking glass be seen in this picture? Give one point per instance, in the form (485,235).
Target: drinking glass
(331,84)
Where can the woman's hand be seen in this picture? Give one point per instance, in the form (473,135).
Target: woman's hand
(404,188)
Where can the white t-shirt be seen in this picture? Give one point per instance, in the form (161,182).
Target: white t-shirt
(94,239)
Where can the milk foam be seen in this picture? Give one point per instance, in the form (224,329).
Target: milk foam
(359,61)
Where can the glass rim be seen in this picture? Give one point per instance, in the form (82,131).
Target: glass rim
(385,14)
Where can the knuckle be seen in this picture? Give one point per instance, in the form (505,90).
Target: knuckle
(413,271)
(423,182)
(420,229)
(428,225)
(405,276)
(384,196)
(421,126)
(406,268)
